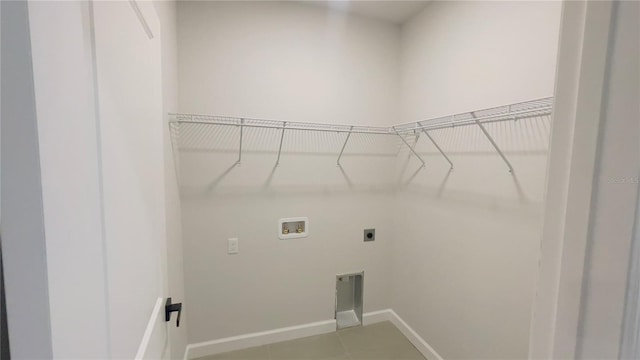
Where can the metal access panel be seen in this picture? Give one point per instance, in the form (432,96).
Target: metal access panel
(349,300)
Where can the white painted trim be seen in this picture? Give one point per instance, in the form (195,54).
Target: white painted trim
(630,346)
(573,151)
(142,348)
(295,332)
(417,341)
(259,338)
(376,317)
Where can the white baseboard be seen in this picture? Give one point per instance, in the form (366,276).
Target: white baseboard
(260,338)
(417,341)
(376,317)
(295,332)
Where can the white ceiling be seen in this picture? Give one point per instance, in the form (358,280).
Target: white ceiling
(394,11)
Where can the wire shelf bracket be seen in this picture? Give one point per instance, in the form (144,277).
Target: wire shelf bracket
(493,143)
(344,146)
(438,147)
(406,162)
(284,125)
(409,146)
(240,146)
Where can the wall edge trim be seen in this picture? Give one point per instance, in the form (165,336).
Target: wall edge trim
(425,349)
(144,343)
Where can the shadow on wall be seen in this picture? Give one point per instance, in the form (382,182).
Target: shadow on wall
(479,174)
(469,239)
(213,163)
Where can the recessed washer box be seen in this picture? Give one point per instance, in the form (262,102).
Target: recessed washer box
(292,228)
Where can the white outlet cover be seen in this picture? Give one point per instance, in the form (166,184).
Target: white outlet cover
(233,246)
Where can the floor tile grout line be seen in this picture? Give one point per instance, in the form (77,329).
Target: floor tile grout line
(269,351)
(346,351)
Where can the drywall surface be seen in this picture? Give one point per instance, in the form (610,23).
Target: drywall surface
(167,16)
(70,178)
(92,225)
(23,232)
(276,283)
(284,61)
(573,74)
(469,239)
(287,61)
(128,66)
(615,193)
(469,55)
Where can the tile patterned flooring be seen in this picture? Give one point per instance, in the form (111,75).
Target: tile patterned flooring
(381,341)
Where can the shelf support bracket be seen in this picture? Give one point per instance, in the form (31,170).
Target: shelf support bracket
(409,146)
(344,145)
(415,143)
(284,125)
(240,147)
(495,146)
(406,162)
(438,147)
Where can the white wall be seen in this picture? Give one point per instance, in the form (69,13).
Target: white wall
(256,59)
(128,66)
(615,193)
(585,245)
(296,62)
(70,178)
(469,55)
(94,261)
(23,233)
(83,257)
(473,258)
(167,15)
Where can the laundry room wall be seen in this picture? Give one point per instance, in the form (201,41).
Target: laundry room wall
(295,62)
(466,242)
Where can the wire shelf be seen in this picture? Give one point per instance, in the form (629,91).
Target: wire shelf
(277,124)
(225,133)
(518,111)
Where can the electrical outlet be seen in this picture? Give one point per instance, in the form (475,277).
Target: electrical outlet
(369,234)
(232,246)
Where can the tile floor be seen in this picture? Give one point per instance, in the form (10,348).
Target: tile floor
(378,341)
